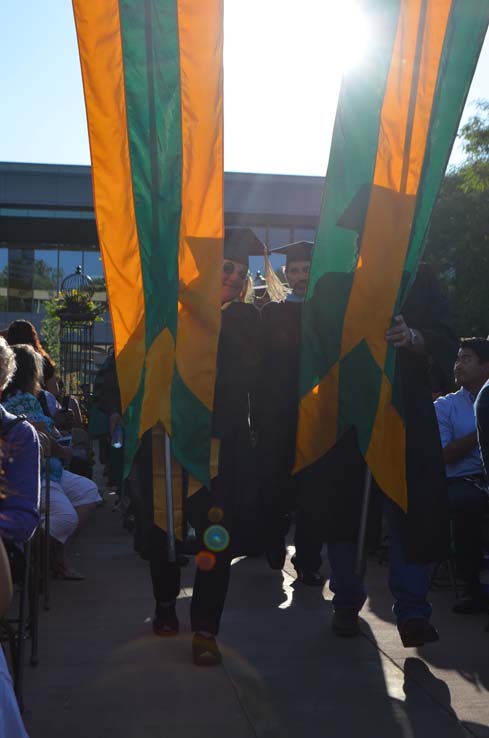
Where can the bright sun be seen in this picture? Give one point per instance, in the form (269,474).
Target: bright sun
(283,63)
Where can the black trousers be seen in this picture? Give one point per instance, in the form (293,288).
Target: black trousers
(468,504)
(210,586)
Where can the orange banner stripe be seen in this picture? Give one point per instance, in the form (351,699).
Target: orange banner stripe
(318,420)
(100,46)
(405,122)
(200,24)
(398,168)
(400,155)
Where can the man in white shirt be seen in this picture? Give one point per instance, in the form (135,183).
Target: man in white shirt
(468,498)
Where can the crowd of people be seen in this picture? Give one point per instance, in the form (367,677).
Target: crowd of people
(254,497)
(31,412)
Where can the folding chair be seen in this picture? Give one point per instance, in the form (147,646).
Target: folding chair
(16,629)
(46,458)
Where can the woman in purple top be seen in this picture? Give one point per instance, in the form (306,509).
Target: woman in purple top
(19,450)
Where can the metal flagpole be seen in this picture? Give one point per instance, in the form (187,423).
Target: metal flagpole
(172,551)
(363,522)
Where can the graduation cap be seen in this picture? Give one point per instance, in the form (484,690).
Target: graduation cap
(297,251)
(240,243)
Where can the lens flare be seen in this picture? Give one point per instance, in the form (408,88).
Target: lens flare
(216,538)
(205,560)
(215,514)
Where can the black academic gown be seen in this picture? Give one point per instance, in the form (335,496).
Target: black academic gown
(235,489)
(277,393)
(234,492)
(335,482)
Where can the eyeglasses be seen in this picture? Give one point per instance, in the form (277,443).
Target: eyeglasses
(228,268)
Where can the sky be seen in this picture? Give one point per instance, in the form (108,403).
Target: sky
(282,67)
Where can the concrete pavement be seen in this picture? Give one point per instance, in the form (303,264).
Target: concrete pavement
(102,673)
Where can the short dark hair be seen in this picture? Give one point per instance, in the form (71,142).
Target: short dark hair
(477,344)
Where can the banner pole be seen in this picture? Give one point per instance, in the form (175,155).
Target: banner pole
(363,522)
(171,544)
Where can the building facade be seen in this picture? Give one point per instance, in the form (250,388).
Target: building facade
(47,228)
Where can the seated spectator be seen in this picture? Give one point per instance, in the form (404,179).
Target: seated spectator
(22,331)
(19,457)
(73,498)
(11,725)
(467,492)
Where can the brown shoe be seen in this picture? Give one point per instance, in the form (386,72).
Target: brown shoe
(416,632)
(205,651)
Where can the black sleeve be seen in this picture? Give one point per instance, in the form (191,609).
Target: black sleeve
(482,419)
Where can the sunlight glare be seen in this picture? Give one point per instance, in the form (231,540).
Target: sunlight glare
(283,62)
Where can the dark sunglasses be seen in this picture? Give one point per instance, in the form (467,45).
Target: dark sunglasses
(228,268)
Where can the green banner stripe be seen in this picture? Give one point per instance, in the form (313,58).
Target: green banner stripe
(191,429)
(152,82)
(464,38)
(349,176)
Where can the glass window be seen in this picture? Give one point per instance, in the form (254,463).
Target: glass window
(20,280)
(3,267)
(46,273)
(68,262)
(93,267)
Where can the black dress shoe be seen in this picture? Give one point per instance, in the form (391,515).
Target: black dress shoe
(205,651)
(345,622)
(470,603)
(416,632)
(165,621)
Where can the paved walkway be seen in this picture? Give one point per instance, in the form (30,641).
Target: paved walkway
(103,674)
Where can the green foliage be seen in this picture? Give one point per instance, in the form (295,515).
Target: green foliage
(458,241)
(50,330)
(77,306)
(474,173)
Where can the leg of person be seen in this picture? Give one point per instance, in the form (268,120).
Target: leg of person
(308,539)
(209,594)
(409,585)
(348,587)
(468,504)
(63,521)
(165,577)
(83,495)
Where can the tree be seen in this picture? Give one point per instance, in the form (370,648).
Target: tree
(458,241)
(45,277)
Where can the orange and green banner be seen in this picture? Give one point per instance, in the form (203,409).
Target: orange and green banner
(152,77)
(396,122)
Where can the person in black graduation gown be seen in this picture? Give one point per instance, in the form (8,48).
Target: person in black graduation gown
(233,499)
(334,484)
(278,404)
